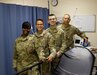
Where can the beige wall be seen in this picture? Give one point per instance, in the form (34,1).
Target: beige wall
(39,3)
(77,7)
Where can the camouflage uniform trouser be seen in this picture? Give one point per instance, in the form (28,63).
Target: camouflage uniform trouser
(54,65)
(45,68)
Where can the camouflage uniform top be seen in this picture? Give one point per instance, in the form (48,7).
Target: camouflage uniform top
(70,31)
(45,41)
(59,39)
(24,56)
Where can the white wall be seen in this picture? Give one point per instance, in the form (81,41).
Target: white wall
(39,3)
(77,7)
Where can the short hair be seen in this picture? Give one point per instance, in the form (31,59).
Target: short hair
(40,20)
(26,24)
(68,15)
(51,15)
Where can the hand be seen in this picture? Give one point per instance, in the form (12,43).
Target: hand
(43,59)
(49,59)
(58,54)
(86,39)
(93,49)
(29,50)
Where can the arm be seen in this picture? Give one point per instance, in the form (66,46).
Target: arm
(41,54)
(38,47)
(94,49)
(86,43)
(63,45)
(79,33)
(52,48)
(15,56)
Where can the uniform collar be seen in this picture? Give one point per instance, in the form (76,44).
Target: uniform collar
(24,38)
(53,29)
(65,27)
(40,34)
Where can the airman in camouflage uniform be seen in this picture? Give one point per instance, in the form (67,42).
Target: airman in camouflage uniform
(45,40)
(70,31)
(59,39)
(24,56)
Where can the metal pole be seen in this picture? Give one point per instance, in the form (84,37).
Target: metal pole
(49,6)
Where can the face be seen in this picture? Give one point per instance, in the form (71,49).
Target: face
(52,20)
(39,25)
(66,19)
(25,31)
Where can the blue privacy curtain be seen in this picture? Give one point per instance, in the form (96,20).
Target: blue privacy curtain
(11,19)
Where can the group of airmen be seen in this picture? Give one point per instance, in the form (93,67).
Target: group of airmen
(44,45)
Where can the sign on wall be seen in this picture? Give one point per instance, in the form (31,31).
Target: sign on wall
(85,22)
